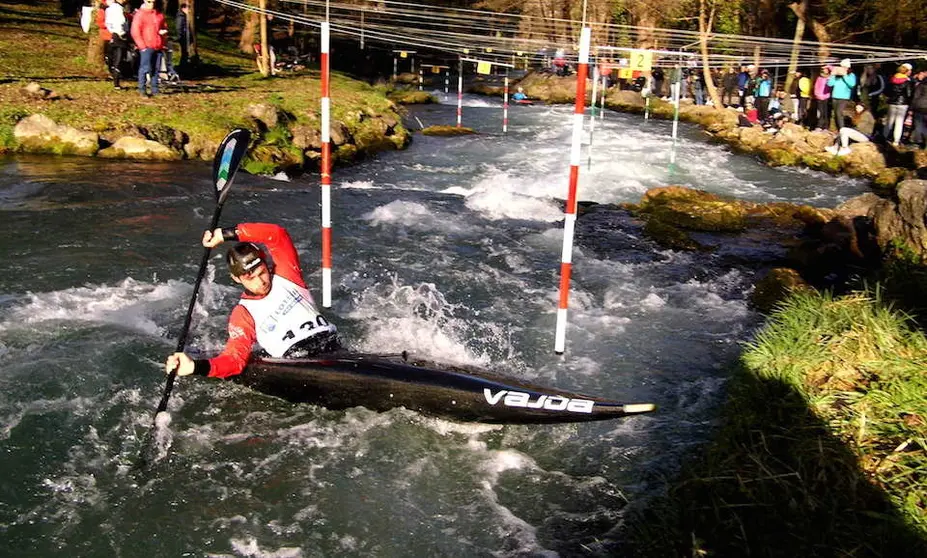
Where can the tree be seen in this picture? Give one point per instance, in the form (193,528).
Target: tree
(94,42)
(706,18)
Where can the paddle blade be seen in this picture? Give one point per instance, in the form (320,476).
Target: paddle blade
(227,159)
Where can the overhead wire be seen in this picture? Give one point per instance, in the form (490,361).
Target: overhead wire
(450,32)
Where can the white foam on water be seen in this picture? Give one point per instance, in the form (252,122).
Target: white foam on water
(415,318)
(360,185)
(129,304)
(416,216)
(249,547)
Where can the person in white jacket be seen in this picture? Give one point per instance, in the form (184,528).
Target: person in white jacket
(117,24)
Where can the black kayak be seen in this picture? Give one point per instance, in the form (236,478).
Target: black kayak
(382,382)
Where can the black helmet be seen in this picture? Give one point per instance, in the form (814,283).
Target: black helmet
(243,257)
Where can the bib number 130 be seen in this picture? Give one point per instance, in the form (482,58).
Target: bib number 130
(318,323)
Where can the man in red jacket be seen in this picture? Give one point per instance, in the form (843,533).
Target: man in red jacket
(276,310)
(148,31)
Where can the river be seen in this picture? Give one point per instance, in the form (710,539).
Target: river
(449,249)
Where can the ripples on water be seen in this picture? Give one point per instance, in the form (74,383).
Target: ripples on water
(451,250)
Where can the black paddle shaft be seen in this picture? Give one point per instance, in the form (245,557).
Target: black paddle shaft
(182,341)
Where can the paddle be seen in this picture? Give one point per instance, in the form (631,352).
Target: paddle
(224,166)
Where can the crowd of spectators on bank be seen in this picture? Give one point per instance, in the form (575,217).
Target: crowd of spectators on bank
(137,42)
(866,105)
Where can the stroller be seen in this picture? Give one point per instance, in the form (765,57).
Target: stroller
(166,73)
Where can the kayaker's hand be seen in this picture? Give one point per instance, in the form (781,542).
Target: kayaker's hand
(180,362)
(213,238)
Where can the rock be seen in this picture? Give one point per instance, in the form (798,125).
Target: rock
(267,115)
(339,133)
(860,206)
(38,92)
(694,210)
(306,137)
(409,97)
(447,131)
(165,135)
(137,148)
(888,178)
(200,148)
(775,286)
(40,134)
(903,221)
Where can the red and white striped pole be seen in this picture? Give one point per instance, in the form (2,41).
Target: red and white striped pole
(326,173)
(505,104)
(569,222)
(459,91)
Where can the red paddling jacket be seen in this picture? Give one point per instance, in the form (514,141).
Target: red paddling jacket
(276,321)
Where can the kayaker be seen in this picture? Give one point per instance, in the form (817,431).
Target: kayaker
(276,310)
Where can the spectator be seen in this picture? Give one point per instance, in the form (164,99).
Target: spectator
(804,97)
(872,86)
(118,27)
(148,31)
(751,113)
(743,80)
(919,108)
(900,91)
(822,99)
(864,126)
(698,91)
(728,87)
(763,89)
(842,83)
(182,24)
(656,82)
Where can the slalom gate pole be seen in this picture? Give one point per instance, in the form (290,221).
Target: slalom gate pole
(326,172)
(421,78)
(505,104)
(569,222)
(459,92)
(395,67)
(602,99)
(677,88)
(447,72)
(595,88)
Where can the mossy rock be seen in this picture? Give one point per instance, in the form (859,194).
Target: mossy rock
(412,97)
(447,131)
(889,178)
(669,236)
(694,210)
(780,157)
(775,286)
(270,159)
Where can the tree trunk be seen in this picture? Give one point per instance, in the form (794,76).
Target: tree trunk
(191,23)
(94,42)
(801,10)
(820,31)
(705,23)
(249,27)
(265,53)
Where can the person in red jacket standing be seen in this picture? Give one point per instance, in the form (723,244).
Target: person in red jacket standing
(276,311)
(148,32)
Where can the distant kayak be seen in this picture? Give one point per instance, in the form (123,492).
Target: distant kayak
(524,102)
(380,383)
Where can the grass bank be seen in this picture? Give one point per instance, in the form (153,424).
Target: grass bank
(822,450)
(39,45)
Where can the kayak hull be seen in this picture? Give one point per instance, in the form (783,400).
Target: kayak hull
(380,383)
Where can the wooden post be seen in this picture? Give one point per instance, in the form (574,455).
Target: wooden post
(265,54)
